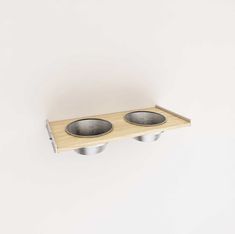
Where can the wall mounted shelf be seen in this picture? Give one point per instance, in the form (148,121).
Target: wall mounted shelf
(90,134)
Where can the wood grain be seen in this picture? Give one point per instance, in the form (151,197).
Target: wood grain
(121,129)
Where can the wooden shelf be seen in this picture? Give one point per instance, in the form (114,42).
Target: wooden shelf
(62,141)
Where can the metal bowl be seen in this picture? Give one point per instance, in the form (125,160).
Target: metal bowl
(90,127)
(148,137)
(146,119)
(90,150)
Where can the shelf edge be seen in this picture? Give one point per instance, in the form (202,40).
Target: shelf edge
(51,137)
(173,113)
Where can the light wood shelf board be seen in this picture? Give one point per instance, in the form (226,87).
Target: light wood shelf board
(121,129)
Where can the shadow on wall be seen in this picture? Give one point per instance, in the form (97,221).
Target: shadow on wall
(90,94)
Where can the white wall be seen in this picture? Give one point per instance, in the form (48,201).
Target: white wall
(62,59)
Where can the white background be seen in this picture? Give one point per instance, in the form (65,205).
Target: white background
(66,58)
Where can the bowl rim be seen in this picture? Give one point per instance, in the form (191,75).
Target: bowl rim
(89,136)
(145,125)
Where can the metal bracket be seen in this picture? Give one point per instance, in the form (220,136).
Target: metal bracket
(51,138)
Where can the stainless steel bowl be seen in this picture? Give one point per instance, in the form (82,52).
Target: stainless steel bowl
(148,137)
(90,127)
(146,119)
(90,150)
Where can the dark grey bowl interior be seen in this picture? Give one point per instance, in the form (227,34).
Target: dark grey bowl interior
(145,118)
(90,127)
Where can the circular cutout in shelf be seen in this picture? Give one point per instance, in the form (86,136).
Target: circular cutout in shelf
(145,119)
(90,127)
